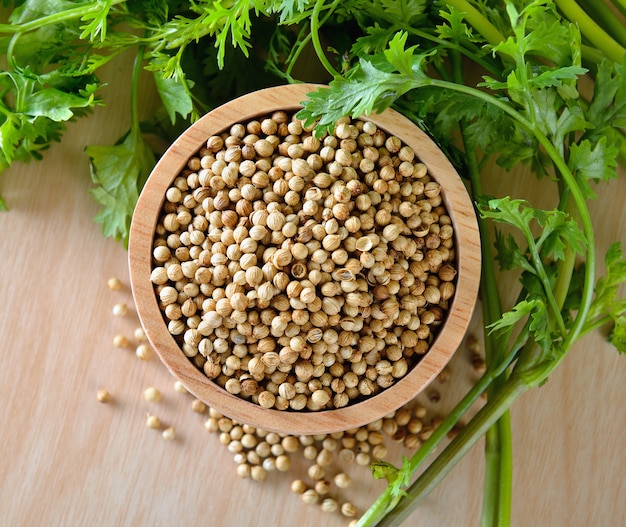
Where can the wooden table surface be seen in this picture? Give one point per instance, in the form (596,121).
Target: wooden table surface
(67,460)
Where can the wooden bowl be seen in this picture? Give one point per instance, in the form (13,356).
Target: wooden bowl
(450,334)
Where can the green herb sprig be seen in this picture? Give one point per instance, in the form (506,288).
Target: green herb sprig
(533,113)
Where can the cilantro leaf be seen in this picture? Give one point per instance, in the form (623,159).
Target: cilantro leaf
(372,86)
(509,254)
(606,299)
(398,478)
(174,96)
(55,104)
(374,41)
(558,232)
(515,212)
(597,163)
(119,172)
(618,334)
(512,317)
(539,325)
(456,29)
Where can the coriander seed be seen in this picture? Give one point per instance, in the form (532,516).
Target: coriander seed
(114,284)
(152,421)
(120,310)
(348,510)
(169,433)
(198,406)
(152,394)
(143,352)
(103,396)
(310,496)
(120,341)
(179,387)
(298,486)
(329,505)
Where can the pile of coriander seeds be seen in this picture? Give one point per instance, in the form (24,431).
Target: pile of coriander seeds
(304,273)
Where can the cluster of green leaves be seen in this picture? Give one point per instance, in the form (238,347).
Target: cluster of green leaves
(527,108)
(55,49)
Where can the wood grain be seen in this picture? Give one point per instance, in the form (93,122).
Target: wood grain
(467,243)
(67,460)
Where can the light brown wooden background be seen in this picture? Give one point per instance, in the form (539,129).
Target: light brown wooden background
(67,460)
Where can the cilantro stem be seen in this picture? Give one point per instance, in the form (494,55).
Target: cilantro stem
(565,267)
(531,369)
(489,32)
(386,501)
(315,37)
(498,453)
(620,5)
(591,30)
(486,417)
(570,181)
(498,448)
(545,281)
(472,54)
(606,18)
(301,44)
(55,18)
(135,128)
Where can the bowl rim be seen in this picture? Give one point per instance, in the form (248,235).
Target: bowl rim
(449,336)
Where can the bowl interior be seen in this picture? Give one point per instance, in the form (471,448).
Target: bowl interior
(449,336)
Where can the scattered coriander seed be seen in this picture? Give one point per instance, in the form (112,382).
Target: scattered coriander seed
(322,487)
(380,452)
(342,480)
(346,455)
(198,406)
(180,387)
(348,510)
(426,432)
(103,396)
(152,421)
(454,431)
(114,284)
(143,352)
(120,310)
(258,473)
(244,470)
(324,458)
(310,452)
(120,341)
(444,376)
(152,394)
(140,335)
(169,433)
(290,444)
(298,486)
(310,496)
(419,411)
(434,396)
(473,344)
(269,464)
(211,425)
(283,463)
(316,472)
(329,505)
(363,459)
